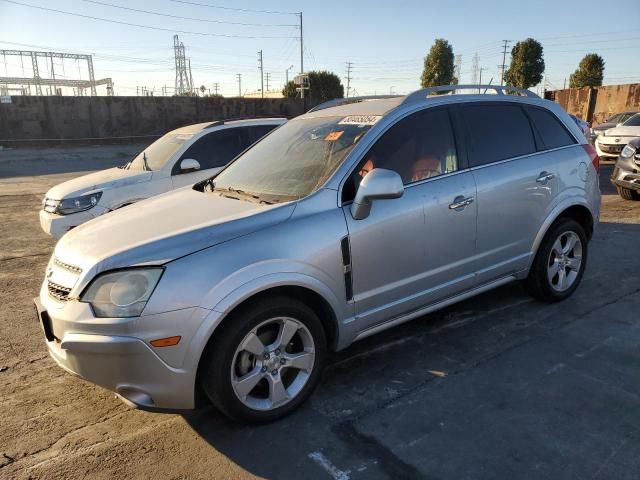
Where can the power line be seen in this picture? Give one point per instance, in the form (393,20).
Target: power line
(275,12)
(148,27)
(149,12)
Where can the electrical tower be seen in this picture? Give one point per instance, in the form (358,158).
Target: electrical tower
(505,46)
(267,76)
(183,75)
(349,67)
(474,68)
(216,86)
(261,68)
(239,77)
(458,67)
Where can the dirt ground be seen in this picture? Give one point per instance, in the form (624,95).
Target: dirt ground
(498,386)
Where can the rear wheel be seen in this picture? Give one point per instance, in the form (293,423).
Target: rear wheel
(628,194)
(560,261)
(265,360)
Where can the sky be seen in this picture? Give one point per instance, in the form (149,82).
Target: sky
(385,41)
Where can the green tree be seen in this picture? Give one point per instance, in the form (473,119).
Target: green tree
(527,64)
(589,72)
(439,65)
(323,86)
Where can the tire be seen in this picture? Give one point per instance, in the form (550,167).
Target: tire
(628,194)
(282,382)
(552,257)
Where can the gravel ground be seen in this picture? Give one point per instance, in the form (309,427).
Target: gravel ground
(499,386)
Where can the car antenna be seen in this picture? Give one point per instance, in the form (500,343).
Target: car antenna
(144,159)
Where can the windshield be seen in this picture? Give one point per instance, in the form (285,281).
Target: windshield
(633,121)
(294,160)
(159,152)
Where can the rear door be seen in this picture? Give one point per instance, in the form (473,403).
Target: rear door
(413,250)
(516,180)
(212,151)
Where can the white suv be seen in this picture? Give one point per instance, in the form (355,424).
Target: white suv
(181,157)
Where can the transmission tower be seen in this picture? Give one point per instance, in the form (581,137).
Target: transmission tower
(267,76)
(216,86)
(239,76)
(505,46)
(474,68)
(183,79)
(349,67)
(458,67)
(261,68)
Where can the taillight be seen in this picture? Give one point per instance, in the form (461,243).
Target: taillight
(593,155)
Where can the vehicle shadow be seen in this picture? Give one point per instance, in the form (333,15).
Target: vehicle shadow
(381,370)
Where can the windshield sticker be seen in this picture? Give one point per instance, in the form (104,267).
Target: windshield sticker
(333,136)
(360,120)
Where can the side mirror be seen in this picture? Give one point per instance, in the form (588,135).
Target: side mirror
(378,184)
(189,165)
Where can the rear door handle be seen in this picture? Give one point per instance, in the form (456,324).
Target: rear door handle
(544,177)
(460,202)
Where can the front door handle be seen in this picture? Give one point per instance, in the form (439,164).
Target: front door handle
(544,177)
(460,202)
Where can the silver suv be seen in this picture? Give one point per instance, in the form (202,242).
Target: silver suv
(357,216)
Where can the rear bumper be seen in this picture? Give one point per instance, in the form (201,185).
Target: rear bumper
(123,364)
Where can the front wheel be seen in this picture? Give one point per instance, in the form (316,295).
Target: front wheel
(559,263)
(628,194)
(265,360)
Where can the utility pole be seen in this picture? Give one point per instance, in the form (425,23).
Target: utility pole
(191,77)
(564,87)
(261,68)
(505,46)
(301,57)
(481,70)
(216,85)
(349,66)
(239,77)
(286,74)
(268,76)
(458,67)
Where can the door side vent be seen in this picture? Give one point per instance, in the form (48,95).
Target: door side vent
(346,265)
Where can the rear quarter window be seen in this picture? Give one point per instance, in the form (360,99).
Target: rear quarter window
(496,132)
(551,130)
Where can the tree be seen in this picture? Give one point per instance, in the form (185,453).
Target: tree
(589,72)
(203,89)
(323,86)
(527,64)
(439,65)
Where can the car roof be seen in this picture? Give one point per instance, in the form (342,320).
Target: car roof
(244,122)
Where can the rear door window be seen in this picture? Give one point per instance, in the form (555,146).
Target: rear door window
(496,132)
(258,131)
(551,131)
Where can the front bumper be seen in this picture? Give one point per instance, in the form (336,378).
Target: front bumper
(125,363)
(608,150)
(58,225)
(626,173)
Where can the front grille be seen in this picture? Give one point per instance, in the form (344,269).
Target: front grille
(611,148)
(50,205)
(67,266)
(58,291)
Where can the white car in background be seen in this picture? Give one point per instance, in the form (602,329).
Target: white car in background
(610,143)
(182,157)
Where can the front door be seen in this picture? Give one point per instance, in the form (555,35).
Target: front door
(412,251)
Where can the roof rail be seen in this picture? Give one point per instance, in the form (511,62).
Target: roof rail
(217,123)
(499,89)
(346,101)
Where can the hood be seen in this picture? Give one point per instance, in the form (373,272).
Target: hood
(605,126)
(104,179)
(163,228)
(623,132)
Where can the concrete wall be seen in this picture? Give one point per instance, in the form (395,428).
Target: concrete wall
(598,103)
(33,118)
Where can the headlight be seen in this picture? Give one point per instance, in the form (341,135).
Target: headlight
(78,204)
(123,293)
(627,151)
